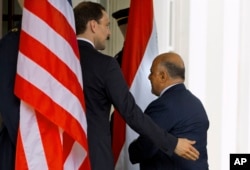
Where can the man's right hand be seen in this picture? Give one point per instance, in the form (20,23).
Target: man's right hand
(185,149)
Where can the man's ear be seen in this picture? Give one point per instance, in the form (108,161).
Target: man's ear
(163,76)
(92,25)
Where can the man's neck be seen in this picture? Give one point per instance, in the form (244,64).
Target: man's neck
(85,39)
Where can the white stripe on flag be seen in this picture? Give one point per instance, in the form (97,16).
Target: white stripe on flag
(141,84)
(75,158)
(66,9)
(52,40)
(41,79)
(28,121)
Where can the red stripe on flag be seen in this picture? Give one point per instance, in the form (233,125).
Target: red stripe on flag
(118,139)
(44,10)
(49,108)
(140,25)
(68,143)
(22,163)
(58,137)
(65,75)
(138,33)
(50,131)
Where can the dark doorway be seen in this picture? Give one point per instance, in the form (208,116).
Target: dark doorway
(11,14)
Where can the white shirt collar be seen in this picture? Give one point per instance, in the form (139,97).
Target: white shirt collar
(85,39)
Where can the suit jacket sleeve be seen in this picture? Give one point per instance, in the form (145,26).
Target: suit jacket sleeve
(142,148)
(124,102)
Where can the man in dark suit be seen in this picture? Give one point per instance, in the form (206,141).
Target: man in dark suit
(121,17)
(104,85)
(9,103)
(177,111)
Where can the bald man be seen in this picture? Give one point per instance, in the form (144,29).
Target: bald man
(177,111)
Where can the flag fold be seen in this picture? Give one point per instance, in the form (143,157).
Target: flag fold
(53,129)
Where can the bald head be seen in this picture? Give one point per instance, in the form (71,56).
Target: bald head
(167,69)
(173,64)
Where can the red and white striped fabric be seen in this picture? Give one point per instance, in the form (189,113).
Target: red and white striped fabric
(52,130)
(139,51)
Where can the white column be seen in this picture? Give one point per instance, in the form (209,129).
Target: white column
(197,47)
(181,27)
(243,134)
(230,74)
(163,17)
(214,78)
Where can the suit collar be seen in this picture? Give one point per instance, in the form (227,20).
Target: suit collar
(173,88)
(163,91)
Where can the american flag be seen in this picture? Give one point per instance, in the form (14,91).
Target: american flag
(139,51)
(52,131)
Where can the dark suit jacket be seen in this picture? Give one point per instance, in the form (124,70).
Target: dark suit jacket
(9,103)
(118,57)
(104,85)
(180,113)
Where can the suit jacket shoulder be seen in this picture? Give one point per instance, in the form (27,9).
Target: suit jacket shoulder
(9,105)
